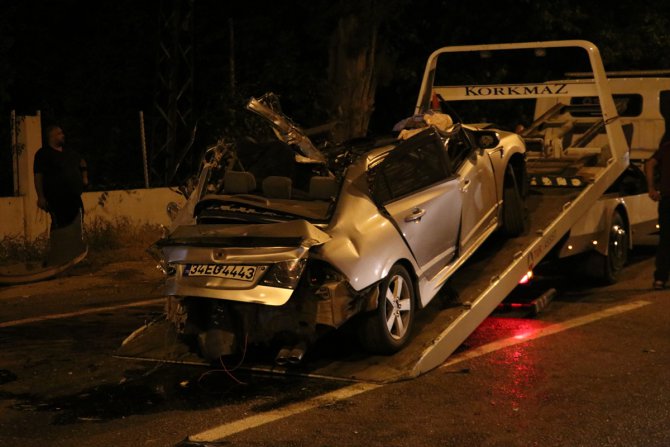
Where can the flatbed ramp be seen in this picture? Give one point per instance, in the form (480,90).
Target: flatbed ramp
(440,328)
(446,324)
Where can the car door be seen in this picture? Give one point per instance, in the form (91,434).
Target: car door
(478,187)
(415,187)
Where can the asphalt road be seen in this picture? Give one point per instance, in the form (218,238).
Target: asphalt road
(590,370)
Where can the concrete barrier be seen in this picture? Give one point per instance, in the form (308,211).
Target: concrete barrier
(13,217)
(138,206)
(21,218)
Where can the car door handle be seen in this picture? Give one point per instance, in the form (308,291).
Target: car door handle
(465,184)
(417,214)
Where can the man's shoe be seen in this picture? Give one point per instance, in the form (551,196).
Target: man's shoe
(658,285)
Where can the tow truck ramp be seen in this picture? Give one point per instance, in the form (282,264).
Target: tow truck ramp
(485,280)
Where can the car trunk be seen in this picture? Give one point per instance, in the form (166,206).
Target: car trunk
(234,262)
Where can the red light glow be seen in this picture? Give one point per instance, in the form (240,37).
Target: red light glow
(523,335)
(526,278)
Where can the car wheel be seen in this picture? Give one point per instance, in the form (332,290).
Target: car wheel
(514,210)
(388,328)
(607,267)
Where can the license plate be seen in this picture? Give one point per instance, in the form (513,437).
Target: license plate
(238,272)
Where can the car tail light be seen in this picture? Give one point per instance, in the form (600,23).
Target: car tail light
(163,265)
(284,274)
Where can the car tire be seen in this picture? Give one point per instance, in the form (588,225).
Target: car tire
(514,210)
(387,329)
(606,268)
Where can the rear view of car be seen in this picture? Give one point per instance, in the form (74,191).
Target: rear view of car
(280,243)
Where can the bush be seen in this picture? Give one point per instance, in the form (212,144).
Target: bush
(100,235)
(17,249)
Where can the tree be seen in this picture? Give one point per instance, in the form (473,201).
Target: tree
(351,70)
(357,59)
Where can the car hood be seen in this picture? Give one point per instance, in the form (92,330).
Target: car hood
(223,235)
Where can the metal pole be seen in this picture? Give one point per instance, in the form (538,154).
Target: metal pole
(15,155)
(144,150)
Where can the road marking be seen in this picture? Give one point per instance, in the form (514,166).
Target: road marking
(231,428)
(94,310)
(543,332)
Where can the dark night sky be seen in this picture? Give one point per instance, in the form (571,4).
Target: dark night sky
(93,66)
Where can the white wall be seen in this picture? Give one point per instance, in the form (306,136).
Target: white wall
(11,217)
(139,206)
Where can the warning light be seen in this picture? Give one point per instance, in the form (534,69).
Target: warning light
(526,278)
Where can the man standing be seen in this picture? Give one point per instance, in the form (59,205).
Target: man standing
(659,191)
(60,178)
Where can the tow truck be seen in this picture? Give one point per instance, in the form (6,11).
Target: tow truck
(565,183)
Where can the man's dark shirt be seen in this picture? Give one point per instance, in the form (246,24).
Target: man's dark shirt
(62,183)
(662,155)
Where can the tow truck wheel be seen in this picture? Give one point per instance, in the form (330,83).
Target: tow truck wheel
(388,328)
(609,266)
(514,211)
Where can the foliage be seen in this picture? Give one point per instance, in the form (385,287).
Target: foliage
(18,249)
(101,234)
(93,69)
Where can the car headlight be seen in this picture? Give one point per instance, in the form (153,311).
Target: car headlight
(285,274)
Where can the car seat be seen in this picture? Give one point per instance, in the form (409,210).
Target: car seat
(238,182)
(277,187)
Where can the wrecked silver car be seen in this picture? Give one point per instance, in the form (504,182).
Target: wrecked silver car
(281,242)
